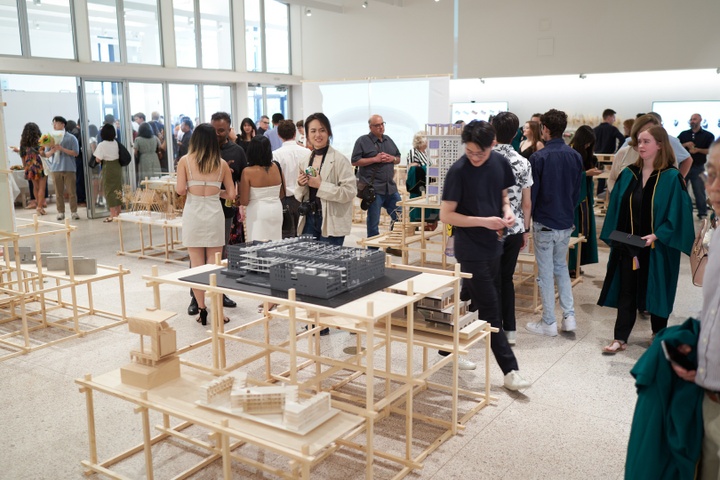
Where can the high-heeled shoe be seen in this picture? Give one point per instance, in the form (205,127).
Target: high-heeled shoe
(40,211)
(202,318)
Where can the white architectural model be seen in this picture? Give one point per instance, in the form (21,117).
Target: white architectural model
(278,406)
(444,148)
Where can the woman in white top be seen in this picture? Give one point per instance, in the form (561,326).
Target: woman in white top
(261,191)
(200,174)
(107,154)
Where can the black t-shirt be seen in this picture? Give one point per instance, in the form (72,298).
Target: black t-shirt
(478,192)
(234,155)
(702,139)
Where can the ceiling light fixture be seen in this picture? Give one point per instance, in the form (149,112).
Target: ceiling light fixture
(583,76)
(308,13)
(365,4)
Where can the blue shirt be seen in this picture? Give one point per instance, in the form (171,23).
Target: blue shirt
(557,173)
(62,162)
(275,140)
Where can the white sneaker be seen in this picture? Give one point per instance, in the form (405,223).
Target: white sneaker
(75,216)
(569,324)
(542,328)
(60,216)
(511,336)
(513,381)
(465,364)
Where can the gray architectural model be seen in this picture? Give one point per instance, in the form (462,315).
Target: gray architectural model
(312,268)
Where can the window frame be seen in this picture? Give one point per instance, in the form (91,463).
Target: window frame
(24,27)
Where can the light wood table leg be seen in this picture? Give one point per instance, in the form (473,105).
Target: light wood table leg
(147,437)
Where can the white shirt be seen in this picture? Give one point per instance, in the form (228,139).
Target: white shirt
(107,151)
(289,156)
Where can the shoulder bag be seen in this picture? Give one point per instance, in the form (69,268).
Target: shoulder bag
(699,255)
(125,158)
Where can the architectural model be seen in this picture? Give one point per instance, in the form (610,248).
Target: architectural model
(278,406)
(312,268)
(444,148)
(156,363)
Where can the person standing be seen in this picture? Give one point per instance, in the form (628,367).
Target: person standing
(607,136)
(506,125)
(201,174)
(186,128)
(697,141)
(289,156)
(475,202)
(650,201)
(376,154)
(263,124)
(261,192)
(272,135)
(557,174)
(29,151)
(62,168)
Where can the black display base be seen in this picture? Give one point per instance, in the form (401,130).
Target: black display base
(392,276)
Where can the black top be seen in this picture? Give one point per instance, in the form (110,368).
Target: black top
(607,137)
(701,139)
(478,192)
(184,145)
(380,175)
(234,155)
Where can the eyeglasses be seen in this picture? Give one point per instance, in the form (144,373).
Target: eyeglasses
(709,177)
(471,153)
(378,125)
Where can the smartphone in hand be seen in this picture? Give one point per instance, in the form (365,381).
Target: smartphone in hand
(673,355)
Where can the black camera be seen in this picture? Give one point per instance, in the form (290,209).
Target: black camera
(368,197)
(306,208)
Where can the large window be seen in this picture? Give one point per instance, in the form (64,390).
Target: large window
(142,32)
(267,100)
(267,36)
(210,46)
(9,28)
(104,38)
(50,28)
(216,98)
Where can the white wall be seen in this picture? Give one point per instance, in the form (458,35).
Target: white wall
(510,38)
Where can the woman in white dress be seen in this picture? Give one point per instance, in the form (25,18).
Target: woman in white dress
(200,174)
(261,191)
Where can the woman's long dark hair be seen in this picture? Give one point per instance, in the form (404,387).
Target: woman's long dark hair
(30,135)
(259,152)
(205,148)
(583,142)
(247,121)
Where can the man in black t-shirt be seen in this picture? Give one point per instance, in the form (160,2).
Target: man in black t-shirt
(697,141)
(476,203)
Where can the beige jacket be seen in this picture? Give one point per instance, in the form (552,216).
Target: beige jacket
(624,157)
(336,194)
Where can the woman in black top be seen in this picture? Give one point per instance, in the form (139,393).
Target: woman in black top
(247,132)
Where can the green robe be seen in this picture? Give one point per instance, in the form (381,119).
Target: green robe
(585,224)
(667,427)
(672,223)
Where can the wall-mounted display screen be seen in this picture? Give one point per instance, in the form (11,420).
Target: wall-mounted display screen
(676,115)
(469,111)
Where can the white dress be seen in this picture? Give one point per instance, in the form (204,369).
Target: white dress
(263,215)
(203,222)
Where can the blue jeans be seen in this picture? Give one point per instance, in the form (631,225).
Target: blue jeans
(551,248)
(389,202)
(695,179)
(313,226)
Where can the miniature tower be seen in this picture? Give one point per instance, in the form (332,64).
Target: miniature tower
(156,363)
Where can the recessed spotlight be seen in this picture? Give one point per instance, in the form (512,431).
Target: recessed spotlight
(365,4)
(583,76)
(308,13)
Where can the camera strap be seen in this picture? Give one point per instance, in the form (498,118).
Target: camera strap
(312,192)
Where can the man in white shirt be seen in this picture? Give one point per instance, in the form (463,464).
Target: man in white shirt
(289,156)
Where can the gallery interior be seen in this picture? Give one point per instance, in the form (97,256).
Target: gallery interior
(103,374)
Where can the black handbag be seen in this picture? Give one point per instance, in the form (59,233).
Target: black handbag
(92,163)
(125,158)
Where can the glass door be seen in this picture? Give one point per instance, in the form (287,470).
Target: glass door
(102,102)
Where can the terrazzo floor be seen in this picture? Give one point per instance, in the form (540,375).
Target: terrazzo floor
(573,423)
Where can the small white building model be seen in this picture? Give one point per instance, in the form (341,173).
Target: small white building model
(263,400)
(297,415)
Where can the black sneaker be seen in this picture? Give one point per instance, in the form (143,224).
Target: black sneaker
(193,307)
(229,303)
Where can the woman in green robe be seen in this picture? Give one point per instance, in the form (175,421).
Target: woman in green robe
(650,201)
(584,143)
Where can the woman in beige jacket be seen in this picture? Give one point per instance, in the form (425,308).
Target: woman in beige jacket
(327,186)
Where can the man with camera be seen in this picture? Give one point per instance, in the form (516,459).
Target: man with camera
(376,154)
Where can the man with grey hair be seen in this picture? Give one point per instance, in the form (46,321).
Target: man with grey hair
(697,141)
(376,154)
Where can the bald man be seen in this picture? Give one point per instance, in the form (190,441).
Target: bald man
(697,141)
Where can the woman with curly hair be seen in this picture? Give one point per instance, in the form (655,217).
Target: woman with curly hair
(29,151)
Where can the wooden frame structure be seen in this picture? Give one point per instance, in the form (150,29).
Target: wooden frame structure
(36,297)
(171,249)
(312,372)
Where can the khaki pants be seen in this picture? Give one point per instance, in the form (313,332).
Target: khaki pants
(65,181)
(710,465)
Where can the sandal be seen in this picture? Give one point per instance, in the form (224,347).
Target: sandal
(108,220)
(40,211)
(202,318)
(614,347)
(226,320)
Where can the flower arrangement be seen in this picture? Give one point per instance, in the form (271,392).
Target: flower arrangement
(46,140)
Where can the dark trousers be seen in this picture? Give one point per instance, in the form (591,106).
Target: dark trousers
(628,298)
(484,289)
(289,228)
(80,178)
(508,260)
(313,226)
